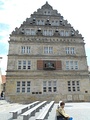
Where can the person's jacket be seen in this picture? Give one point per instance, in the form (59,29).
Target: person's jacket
(60,111)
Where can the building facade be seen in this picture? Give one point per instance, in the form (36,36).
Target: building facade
(47,60)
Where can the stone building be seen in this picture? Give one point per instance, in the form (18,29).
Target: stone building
(47,60)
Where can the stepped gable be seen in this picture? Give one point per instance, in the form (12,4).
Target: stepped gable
(47,12)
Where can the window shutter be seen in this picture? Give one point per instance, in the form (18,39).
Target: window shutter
(40,64)
(58,65)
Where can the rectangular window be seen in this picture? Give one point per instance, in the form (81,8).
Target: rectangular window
(18,90)
(54,89)
(50,49)
(69,83)
(73,86)
(72,50)
(76,65)
(73,82)
(18,87)
(49,89)
(45,49)
(32,32)
(71,65)
(28,83)
(78,88)
(18,84)
(44,89)
(23,86)
(27,31)
(62,33)
(67,65)
(49,83)
(23,83)
(28,90)
(23,49)
(19,65)
(54,86)
(29,65)
(66,33)
(77,82)
(23,90)
(28,49)
(44,83)
(67,50)
(69,89)
(24,64)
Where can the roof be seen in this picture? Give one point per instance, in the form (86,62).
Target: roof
(3,79)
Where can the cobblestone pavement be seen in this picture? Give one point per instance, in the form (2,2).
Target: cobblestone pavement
(79,111)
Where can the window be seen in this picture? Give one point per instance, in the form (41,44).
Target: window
(23,86)
(54,86)
(70,50)
(28,86)
(50,87)
(18,87)
(44,86)
(27,31)
(66,33)
(24,65)
(69,83)
(67,65)
(76,65)
(71,65)
(28,49)
(32,32)
(73,82)
(69,88)
(25,49)
(48,50)
(29,65)
(19,65)
(67,50)
(73,86)
(62,33)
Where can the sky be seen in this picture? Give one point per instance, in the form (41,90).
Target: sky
(14,12)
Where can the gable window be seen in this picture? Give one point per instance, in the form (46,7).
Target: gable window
(66,33)
(62,33)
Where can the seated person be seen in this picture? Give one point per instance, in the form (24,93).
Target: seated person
(60,112)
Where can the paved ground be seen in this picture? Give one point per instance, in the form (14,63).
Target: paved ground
(79,111)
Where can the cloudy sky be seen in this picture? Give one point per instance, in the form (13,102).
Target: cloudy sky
(14,12)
